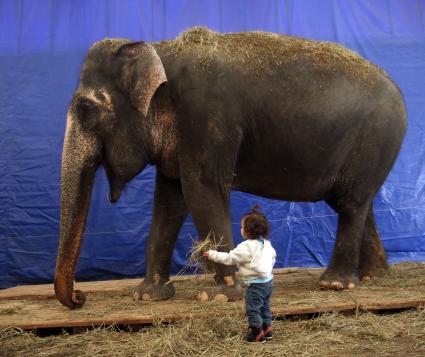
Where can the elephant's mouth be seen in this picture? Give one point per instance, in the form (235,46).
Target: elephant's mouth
(115,191)
(116,184)
(116,187)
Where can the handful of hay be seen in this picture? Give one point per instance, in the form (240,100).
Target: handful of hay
(196,262)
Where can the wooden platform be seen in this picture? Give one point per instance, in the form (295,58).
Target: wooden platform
(295,293)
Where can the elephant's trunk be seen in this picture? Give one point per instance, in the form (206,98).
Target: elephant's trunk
(78,170)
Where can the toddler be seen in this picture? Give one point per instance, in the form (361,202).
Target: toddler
(255,258)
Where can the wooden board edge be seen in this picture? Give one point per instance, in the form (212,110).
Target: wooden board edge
(391,304)
(170,318)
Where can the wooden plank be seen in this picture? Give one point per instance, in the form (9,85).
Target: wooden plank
(130,319)
(122,318)
(29,314)
(46,291)
(372,305)
(117,320)
(58,317)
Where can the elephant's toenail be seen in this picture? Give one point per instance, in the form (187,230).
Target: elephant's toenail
(351,286)
(229,281)
(221,298)
(336,285)
(203,296)
(324,284)
(146,297)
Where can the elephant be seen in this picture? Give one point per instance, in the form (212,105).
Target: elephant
(277,116)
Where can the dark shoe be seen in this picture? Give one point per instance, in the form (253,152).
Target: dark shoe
(267,332)
(255,334)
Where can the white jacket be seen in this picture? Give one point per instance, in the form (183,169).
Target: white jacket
(254,259)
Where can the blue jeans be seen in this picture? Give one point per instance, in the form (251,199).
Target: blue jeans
(257,301)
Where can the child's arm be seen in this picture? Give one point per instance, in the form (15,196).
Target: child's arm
(240,254)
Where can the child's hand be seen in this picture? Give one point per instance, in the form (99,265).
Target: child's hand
(205,254)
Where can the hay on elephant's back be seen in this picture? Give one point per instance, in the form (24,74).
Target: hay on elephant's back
(262,51)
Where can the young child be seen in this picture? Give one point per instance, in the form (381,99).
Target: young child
(255,258)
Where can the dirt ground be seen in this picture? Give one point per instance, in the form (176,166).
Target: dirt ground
(221,329)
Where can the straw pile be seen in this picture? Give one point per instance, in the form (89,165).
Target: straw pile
(401,334)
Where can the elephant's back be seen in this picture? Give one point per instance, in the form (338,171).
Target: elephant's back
(263,53)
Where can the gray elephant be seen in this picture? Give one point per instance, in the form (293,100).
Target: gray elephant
(277,116)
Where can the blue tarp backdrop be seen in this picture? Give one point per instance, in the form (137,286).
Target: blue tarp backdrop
(42,48)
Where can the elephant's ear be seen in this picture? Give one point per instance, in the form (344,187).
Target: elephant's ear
(142,73)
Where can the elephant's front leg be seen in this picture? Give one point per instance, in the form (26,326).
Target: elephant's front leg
(169,213)
(210,210)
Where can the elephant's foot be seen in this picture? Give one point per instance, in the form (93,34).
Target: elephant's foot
(147,291)
(370,269)
(228,290)
(333,280)
(373,259)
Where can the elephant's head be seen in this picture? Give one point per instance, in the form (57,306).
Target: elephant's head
(105,125)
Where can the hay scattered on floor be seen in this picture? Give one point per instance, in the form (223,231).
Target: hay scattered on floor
(403,275)
(400,334)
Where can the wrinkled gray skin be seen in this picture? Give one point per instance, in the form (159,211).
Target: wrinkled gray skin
(283,125)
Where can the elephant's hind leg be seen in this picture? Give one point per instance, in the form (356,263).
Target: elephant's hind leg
(373,260)
(169,213)
(343,272)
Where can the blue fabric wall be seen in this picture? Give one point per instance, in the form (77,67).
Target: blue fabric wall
(42,47)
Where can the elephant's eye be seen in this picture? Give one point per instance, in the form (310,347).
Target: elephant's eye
(86,107)
(101,96)
(87,111)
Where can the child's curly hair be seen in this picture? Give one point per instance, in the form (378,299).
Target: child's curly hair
(255,224)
